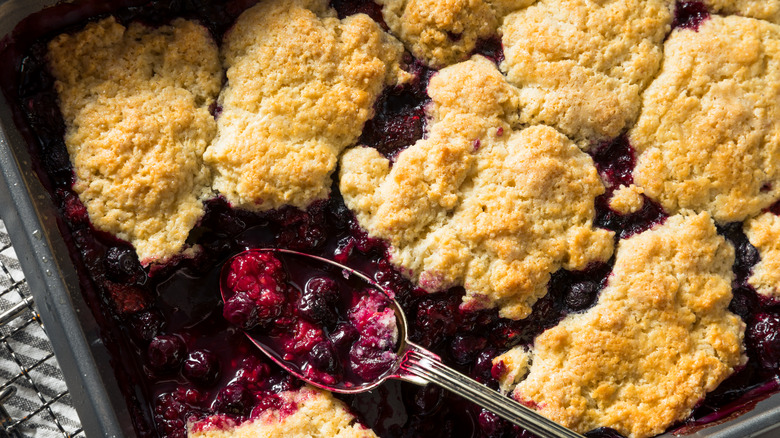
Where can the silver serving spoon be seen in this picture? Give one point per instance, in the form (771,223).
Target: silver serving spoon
(414,363)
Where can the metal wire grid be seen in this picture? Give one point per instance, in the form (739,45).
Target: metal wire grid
(34,401)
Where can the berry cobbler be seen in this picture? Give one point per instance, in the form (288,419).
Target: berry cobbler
(575,202)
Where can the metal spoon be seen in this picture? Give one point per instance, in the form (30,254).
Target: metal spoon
(414,363)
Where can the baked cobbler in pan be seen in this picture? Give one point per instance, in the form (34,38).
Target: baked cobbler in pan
(574,202)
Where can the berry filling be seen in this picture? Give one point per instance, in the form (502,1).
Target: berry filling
(690,14)
(180,353)
(333,330)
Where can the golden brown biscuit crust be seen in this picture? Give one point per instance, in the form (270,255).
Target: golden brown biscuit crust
(708,138)
(582,64)
(762,9)
(477,203)
(764,233)
(301,84)
(443,32)
(627,199)
(135,102)
(660,337)
(310,413)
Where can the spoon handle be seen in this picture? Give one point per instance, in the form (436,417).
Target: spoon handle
(419,365)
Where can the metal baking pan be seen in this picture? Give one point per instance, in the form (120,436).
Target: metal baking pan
(31,219)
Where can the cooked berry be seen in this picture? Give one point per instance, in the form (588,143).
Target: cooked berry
(122,265)
(345,8)
(166,352)
(74,210)
(172,409)
(399,115)
(241,310)
(744,302)
(615,161)
(201,366)
(436,319)
(604,432)
(339,216)
(627,225)
(302,231)
(304,337)
(689,14)
(491,48)
(482,370)
(464,348)
(127,298)
(343,337)
(369,362)
(746,255)
(581,295)
(146,325)
(254,272)
(491,424)
(764,336)
(234,399)
(319,300)
(323,358)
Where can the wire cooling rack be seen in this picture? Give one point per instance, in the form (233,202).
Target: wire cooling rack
(34,401)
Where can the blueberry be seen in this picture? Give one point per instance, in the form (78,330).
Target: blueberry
(690,14)
(581,295)
(241,311)
(370,363)
(464,348)
(166,352)
(764,334)
(122,265)
(491,424)
(170,411)
(201,366)
(343,337)
(747,254)
(322,357)
(146,325)
(604,432)
(234,399)
(436,319)
(319,300)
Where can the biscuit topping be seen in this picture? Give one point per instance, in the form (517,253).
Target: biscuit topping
(301,84)
(659,338)
(135,102)
(764,233)
(582,64)
(762,9)
(307,412)
(707,137)
(444,32)
(477,203)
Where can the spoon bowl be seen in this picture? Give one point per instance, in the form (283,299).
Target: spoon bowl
(406,361)
(307,266)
